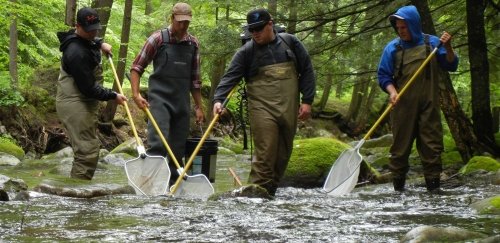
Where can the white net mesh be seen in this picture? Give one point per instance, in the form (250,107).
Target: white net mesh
(148,176)
(344,173)
(196,186)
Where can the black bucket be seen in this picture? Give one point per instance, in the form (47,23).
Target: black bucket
(205,161)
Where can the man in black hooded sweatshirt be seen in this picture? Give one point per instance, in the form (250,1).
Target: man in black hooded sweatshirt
(79,90)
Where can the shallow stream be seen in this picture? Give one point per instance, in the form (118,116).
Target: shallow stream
(369,214)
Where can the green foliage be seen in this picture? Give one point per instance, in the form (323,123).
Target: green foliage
(39,98)
(10,97)
(37,24)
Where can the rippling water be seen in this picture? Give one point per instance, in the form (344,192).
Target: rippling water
(374,213)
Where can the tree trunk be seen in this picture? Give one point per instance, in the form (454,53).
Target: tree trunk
(13,48)
(273,7)
(356,98)
(365,110)
(479,70)
(338,90)
(218,67)
(70,13)
(110,110)
(149,7)
(292,24)
(460,126)
(103,8)
(326,92)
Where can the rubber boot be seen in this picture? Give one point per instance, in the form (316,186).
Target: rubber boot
(270,187)
(433,185)
(399,183)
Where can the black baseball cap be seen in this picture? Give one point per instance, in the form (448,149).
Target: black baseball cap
(88,19)
(257,18)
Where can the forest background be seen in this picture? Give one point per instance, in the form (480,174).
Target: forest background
(344,38)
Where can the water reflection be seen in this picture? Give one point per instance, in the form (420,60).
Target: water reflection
(373,213)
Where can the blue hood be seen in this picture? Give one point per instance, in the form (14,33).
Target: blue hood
(412,19)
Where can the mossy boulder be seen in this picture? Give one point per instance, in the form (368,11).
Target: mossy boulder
(127,147)
(311,161)
(8,147)
(437,234)
(229,146)
(480,163)
(488,206)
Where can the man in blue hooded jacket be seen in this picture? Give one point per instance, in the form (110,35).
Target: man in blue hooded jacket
(416,114)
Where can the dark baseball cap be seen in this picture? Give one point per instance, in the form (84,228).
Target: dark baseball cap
(257,18)
(88,19)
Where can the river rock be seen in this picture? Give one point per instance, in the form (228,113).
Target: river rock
(480,163)
(4,196)
(496,178)
(66,152)
(436,234)
(250,191)
(8,160)
(128,147)
(488,206)
(11,187)
(82,191)
(117,159)
(311,161)
(382,141)
(9,147)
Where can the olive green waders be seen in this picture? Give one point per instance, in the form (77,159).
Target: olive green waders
(168,97)
(416,116)
(79,117)
(273,102)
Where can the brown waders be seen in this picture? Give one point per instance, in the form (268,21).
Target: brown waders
(416,116)
(79,116)
(273,102)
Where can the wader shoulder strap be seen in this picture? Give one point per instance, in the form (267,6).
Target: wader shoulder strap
(287,39)
(165,36)
(427,53)
(400,48)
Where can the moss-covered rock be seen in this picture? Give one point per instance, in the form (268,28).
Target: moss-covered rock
(8,147)
(234,147)
(311,161)
(436,234)
(480,163)
(127,147)
(488,206)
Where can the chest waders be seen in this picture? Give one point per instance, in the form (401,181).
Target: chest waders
(416,116)
(79,117)
(273,102)
(168,96)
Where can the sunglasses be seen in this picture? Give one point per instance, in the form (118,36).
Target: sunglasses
(257,29)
